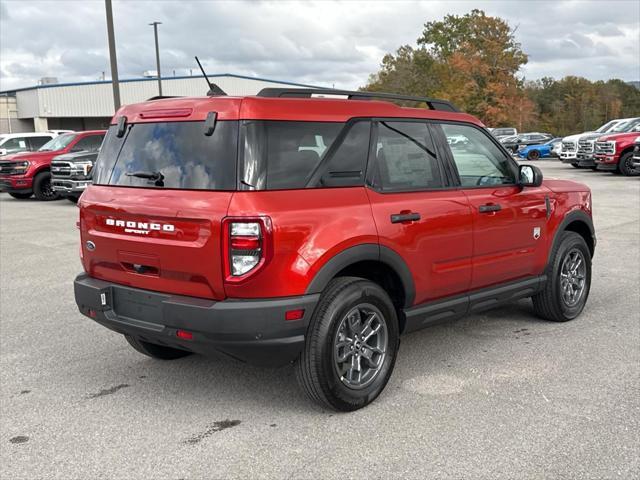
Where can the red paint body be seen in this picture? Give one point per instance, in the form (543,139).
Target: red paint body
(39,161)
(453,249)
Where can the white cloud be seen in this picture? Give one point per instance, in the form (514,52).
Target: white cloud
(321,43)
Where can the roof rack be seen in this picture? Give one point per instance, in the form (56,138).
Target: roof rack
(433,103)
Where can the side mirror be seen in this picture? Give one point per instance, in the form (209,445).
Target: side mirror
(530,176)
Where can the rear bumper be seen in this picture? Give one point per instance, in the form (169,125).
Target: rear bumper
(16,184)
(252,331)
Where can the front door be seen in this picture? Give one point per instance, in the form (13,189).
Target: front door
(429,226)
(509,222)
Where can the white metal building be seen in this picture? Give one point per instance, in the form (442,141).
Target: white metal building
(86,106)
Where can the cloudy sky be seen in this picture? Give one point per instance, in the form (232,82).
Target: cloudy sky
(322,43)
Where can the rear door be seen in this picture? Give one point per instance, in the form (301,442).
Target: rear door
(416,215)
(152,220)
(509,223)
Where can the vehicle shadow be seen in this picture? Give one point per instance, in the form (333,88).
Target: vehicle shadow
(248,388)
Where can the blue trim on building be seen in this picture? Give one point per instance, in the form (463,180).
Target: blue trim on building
(155,79)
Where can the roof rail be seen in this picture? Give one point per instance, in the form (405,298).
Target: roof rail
(432,103)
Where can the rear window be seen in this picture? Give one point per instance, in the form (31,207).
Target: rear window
(170,155)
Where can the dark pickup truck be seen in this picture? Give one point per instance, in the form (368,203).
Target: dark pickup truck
(71,173)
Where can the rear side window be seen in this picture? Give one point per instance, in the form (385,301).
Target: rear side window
(479,161)
(170,155)
(283,155)
(405,158)
(37,142)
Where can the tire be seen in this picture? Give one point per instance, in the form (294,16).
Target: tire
(42,188)
(155,351)
(73,199)
(553,303)
(595,169)
(533,155)
(317,368)
(625,166)
(21,196)
(575,165)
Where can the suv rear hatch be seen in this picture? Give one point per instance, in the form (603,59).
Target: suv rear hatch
(152,219)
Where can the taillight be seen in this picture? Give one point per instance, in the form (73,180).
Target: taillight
(246,246)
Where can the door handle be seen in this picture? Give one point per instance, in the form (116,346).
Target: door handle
(405,217)
(489,208)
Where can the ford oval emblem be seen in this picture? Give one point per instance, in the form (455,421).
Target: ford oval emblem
(91,246)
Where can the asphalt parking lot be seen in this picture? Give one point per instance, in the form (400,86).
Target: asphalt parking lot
(498,395)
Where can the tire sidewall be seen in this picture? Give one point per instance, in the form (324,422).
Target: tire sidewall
(38,182)
(623,166)
(570,241)
(533,155)
(357,293)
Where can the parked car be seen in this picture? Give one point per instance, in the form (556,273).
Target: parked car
(586,155)
(502,132)
(514,144)
(71,173)
(28,173)
(213,225)
(23,142)
(636,154)
(614,151)
(544,150)
(569,150)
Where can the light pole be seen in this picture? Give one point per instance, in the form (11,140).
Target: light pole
(112,56)
(155,34)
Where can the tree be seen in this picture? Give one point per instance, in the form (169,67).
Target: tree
(470,60)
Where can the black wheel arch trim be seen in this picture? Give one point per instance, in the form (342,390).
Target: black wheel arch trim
(363,252)
(579,216)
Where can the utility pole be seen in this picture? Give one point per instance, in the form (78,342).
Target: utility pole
(155,34)
(112,56)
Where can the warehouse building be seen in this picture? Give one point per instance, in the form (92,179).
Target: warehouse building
(89,105)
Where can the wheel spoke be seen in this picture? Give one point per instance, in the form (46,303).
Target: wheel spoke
(355,322)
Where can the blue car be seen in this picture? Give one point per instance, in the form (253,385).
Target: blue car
(544,150)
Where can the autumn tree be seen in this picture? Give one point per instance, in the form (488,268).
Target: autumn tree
(471,60)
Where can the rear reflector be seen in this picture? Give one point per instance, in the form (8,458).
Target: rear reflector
(294,314)
(245,243)
(184,335)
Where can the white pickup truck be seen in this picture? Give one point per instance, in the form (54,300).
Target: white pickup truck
(569,148)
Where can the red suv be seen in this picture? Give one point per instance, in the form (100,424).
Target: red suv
(285,228)
(29,173)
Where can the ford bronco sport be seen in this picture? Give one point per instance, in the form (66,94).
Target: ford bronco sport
(285,228)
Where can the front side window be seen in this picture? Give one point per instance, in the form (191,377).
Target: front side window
(90,143)
(15,144)
(406,158)
(478,160)
(170,155)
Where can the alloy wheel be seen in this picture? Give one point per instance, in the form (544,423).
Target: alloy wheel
(360,345)
(573,277)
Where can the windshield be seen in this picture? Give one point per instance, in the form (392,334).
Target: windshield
(170,155)
(607,126)
(57,143)
(503,131)
(626,126)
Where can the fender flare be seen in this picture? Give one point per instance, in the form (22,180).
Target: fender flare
(363,252)
(576,215)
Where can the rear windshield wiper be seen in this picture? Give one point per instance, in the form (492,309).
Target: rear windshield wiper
(157,177)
